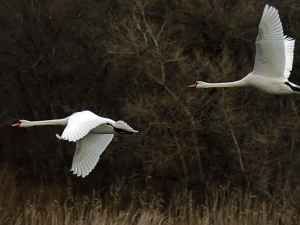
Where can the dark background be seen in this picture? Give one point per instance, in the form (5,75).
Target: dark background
(132,60)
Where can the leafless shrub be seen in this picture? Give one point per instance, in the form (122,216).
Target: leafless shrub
(133,60)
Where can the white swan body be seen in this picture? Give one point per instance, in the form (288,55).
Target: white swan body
(273,59)
(91,133)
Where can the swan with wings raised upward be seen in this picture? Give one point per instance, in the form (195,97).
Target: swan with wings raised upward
(91,133)
(273,59)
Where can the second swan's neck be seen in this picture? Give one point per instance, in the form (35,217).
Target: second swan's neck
(238,83)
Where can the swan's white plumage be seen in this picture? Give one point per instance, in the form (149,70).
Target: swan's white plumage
(273,59)
(88,151)
(124,126)
(91,133)
(80,124)
(289,44)
(270,48)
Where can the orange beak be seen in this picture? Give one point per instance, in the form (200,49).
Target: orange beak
(16,124)
(193,85)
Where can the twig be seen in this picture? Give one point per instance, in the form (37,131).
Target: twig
(181,158)
(192,122)
(236,145)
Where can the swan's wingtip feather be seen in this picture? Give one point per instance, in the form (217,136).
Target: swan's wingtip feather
(59,137)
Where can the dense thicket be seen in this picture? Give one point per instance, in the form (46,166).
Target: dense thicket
(133,60)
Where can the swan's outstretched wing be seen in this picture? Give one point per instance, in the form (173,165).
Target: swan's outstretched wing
(289,44)
(270,47)
(80,124)
(88,151)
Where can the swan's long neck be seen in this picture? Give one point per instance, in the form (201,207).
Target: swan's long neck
(239,83)
(62,122)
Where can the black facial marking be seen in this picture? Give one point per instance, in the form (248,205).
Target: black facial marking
(292,87)
(16,123)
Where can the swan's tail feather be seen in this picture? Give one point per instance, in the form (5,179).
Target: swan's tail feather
(122,127)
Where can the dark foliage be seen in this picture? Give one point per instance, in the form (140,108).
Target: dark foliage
(133,60)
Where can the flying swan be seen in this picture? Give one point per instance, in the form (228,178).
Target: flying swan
(273,59)
(91,133)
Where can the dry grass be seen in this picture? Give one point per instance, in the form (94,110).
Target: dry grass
(133,60)
(58,205)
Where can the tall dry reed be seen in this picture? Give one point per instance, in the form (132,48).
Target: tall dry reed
(59,205)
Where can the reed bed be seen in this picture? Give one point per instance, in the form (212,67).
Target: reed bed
(61,205)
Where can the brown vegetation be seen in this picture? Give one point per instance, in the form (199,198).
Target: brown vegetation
(133,60)
(52,205)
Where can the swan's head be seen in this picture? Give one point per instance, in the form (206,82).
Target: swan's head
(198,84)
(21,123)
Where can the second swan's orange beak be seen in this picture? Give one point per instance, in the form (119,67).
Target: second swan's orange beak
(16,124)
(192,85)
